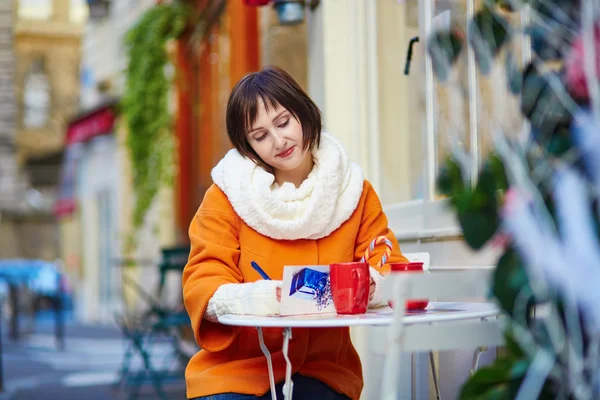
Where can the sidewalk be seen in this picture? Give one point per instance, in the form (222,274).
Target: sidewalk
(35,369)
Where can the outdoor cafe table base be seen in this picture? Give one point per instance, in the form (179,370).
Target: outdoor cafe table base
(435,312)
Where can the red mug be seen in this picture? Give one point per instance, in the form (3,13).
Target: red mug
(350,284)
(412,304)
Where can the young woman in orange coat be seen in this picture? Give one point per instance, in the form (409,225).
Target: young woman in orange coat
(287,194)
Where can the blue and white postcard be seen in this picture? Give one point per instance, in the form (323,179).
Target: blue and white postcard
(306,290)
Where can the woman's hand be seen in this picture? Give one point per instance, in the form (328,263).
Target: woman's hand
(256,298)
(371,288)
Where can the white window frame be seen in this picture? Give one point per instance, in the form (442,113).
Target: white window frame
(343,80)
(431,219)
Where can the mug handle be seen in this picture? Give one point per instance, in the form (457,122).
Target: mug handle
(358,275)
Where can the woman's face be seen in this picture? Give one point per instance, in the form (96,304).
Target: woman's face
(276,136)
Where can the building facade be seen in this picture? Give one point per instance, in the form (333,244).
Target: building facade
(101,194)
(238,40)
(350,56)
(9,186)
(399,128)
(40,74)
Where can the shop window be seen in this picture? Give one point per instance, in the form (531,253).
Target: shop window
(421,119)
(36,96)
(35,9)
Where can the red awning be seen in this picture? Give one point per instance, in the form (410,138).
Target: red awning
(98,122)
(64,207)
(84,127)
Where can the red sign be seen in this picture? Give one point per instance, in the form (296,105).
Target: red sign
(64,207)
(256,2)
(65,203)
(98,123)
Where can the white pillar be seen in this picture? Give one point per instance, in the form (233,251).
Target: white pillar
(342,76)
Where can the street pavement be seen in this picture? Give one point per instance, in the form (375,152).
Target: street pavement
(36,369)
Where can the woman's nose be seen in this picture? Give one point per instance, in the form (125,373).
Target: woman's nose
(279,140)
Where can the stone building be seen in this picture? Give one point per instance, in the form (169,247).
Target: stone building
(39,79)
(8,167)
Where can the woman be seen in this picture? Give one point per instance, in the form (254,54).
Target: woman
(287,194)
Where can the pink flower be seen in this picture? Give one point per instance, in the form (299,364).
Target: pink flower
(501,241)
(511,197)
(575,72)
(256,3)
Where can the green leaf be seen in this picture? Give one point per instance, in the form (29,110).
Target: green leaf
(499,380)
(492,177)
(477,209)
(144,103)
(557,12)
(519,369)
(450,179)
(533,86)
(549,39)
(511,284)
(488,33)
(512,347)
(478,226)
(497,373)
(514,76)
(549,117)
(444,48)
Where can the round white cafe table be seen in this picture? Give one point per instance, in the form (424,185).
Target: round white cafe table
(435,312)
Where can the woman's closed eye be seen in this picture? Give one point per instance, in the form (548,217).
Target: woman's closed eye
(261,137)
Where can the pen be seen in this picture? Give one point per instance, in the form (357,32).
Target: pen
(260,271)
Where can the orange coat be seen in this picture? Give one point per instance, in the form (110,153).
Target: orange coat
(222,247)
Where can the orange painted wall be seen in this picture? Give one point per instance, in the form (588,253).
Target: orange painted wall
(245,52)
(230,51)
(184,131)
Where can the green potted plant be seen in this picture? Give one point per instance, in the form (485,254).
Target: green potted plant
(537,200)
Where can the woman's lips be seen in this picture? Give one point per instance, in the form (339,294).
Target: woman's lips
(286,153)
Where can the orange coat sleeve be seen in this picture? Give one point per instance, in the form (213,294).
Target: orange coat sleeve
(374,223)
(213,261)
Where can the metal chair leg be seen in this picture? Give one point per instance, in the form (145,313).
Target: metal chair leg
(288,387)
(434,375)
(154,376)
(476,356)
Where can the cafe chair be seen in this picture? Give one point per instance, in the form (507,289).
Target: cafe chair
(439,334)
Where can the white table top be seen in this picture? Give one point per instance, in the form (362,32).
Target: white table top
(435,312)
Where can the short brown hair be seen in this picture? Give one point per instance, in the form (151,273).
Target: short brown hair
(274,87)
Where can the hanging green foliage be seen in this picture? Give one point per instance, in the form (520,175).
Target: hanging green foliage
(144,104)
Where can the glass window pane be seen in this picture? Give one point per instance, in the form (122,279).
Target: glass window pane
(453,112)
(402,155)
(78,11)
(403,100)
(36,96)
(465,106)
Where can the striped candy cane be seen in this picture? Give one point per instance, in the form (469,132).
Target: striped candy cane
(377,241)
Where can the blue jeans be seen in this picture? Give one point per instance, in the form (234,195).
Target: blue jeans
(305,388)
